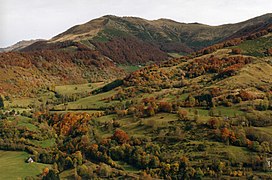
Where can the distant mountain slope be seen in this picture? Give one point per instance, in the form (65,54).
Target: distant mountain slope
(222,77)
(19,45)
(24,74)
(135,40)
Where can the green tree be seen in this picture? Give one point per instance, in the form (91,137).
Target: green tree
(1,102)
(104,170)
(82,170)
(199,174)
(154,162)
(150,111)
(78,156)
(265,147)
(68,163)
(191,101)
(51,176)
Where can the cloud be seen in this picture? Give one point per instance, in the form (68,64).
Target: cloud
(34,19)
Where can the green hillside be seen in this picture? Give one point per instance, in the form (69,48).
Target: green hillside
(13,166)
(257,48)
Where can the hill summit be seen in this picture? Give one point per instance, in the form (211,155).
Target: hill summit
(133,40)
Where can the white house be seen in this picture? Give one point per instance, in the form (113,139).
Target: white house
(269,163)
(30,160)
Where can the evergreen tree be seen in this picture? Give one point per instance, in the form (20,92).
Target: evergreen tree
(1,102)
(51,176)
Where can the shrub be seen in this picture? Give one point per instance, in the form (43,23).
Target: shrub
(236,51)
(120,136)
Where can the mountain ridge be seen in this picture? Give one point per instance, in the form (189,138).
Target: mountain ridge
(20,45)
(163,36)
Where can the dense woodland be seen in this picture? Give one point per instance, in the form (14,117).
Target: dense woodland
(28,72)
(129,50)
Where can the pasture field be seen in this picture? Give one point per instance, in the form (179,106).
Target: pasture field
(13,165)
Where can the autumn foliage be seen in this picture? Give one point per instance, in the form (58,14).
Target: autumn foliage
(130,50)
(120,136)
(236,51)
(224,67)
(66,123)
(269,51)
(34,70)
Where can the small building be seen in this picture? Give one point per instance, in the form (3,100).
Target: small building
(269,163)
(30,160)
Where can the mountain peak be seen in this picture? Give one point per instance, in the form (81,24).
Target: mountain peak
(119,37)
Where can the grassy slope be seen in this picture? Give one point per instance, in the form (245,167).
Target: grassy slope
(256,47)
(29,124)
(77,88)
(22,104)
(173,36)
(129,68)
(90,102)
(176,55)
(267,130)
(26,122)
(13,166)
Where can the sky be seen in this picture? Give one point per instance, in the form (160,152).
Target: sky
(43,19)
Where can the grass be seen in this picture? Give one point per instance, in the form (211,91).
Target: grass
(256,47)
(127,167)
(28,125)
(216,149)
(161,118)
(93,102)
(45,143)
(171,97)
(24,122)
(145,126)
(115,32)
(27,122)
(106,118)
(13,166)
(267,129)
(101,38)
(23,103)
(129,68)
(237,154)
(228,111)
(176,55)
(203,114)
(68,174)
(77,88)
(76,111)
(225,111)
(20,102)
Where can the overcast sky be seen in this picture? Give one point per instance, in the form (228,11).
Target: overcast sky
(34,19)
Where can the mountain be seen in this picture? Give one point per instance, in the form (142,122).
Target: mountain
(19,45)
(94,49)
(232,66)
(134,40)
(216,78)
